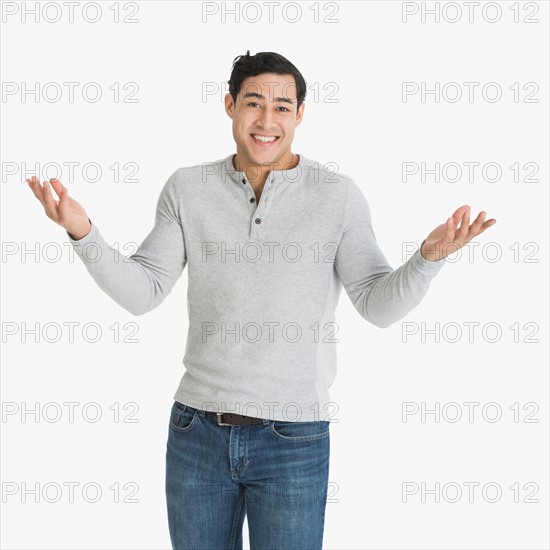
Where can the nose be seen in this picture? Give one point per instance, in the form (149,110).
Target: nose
(265,120)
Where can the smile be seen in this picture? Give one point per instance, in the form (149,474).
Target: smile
(264,139)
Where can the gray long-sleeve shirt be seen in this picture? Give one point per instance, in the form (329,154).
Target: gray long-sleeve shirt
(264,282)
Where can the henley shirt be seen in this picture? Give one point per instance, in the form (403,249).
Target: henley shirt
(263,282)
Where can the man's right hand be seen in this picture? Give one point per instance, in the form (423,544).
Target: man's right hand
(66,211)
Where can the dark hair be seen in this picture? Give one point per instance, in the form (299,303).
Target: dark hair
(264,62)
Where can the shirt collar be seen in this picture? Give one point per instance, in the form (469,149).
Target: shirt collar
(291,175)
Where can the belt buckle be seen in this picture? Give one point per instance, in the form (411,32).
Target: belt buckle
(219,418)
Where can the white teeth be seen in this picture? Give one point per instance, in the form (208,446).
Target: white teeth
(264,139)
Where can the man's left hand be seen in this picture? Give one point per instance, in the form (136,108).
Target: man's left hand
(449,237)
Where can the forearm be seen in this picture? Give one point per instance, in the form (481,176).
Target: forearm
(140,282)
(392,295)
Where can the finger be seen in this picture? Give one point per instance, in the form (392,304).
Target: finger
(481,227)
(476,226)
(449,233)
(37,190)
(457,214)
(452,239)
(31,182)
(57,185)
(51,206)
(464,226)
(486,225)
(63,206)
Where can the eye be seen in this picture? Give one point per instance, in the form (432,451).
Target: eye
(256,103)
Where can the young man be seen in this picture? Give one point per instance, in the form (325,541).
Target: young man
(270,238)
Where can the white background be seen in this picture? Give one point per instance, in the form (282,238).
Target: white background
(369,132)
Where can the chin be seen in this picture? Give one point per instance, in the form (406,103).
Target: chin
(266,158)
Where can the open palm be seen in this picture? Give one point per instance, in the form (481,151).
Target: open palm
(66,211)
(449,237)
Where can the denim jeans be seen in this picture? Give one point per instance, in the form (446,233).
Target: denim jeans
(275,473)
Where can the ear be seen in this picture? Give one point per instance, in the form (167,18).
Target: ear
(300,113)
(229,105)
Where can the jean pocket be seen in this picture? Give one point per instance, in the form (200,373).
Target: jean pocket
(182,417)
(300,431)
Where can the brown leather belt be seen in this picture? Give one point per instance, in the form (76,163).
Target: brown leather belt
(234,419)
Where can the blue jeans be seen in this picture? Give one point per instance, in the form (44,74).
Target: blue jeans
(275,473)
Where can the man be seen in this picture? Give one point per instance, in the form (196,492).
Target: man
(270,238)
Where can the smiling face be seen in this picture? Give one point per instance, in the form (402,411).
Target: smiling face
(264,119)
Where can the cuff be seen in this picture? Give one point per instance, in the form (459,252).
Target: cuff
(88,237)
(431,265)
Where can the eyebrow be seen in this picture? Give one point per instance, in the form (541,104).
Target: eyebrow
(260,96)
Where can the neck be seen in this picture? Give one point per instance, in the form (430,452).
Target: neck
(257,173)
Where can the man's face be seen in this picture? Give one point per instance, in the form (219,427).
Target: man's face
(266,106)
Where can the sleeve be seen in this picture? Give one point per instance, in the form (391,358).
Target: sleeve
(379,293)
(141,281)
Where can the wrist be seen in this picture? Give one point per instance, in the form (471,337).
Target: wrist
(434,259)
(80,233)
(421,249)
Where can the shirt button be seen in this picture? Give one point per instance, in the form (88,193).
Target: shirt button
(244,181)
(252,199)
(257,220)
